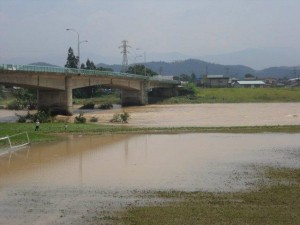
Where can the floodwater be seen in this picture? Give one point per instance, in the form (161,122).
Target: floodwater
(84,179)
(87,178)
(121,162)
(206,115)
(189,115)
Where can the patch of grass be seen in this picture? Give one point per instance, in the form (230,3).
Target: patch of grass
(269,205)
(238,95)
(49,131)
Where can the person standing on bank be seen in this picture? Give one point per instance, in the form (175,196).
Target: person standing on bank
(37,125)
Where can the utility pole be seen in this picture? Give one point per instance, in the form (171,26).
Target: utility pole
(124,51)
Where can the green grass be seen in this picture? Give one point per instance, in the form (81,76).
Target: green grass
(238,95)
(269,205)
(50,131)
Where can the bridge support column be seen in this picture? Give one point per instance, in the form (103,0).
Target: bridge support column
(58,101)
(164,92)
(133,97)
(159,94)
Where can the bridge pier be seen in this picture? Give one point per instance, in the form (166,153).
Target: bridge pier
(166,92)
(135,97)
(61,101)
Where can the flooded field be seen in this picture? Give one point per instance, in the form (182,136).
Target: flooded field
(66,182)
(75,181)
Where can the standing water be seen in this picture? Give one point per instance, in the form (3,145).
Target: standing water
(122,162)
(75,181)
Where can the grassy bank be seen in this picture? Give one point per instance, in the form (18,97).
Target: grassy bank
(50,131)
(238,95)
(269,204)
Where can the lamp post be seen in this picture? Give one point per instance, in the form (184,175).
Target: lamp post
(144,59)
(78,44)
(137,56)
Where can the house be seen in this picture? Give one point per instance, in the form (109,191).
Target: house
(270,82)
(250,83)
(294,82)
(216,81)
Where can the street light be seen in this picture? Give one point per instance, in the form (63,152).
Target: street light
(144,59)
(137,56)
(78,44)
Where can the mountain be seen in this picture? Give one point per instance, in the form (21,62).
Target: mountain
(258,58)
(201,68)
(42,64)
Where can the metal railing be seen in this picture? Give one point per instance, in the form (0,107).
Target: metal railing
(72,71)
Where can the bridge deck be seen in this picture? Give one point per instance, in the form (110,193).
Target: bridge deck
(84,72)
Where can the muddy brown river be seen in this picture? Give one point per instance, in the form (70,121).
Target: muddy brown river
(76,180)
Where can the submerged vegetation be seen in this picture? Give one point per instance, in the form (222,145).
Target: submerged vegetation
(275,200)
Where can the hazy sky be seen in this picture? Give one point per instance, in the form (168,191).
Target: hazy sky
(36,29)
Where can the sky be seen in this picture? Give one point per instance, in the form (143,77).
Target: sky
(35,30)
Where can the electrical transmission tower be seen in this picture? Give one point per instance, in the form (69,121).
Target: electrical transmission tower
(124,51)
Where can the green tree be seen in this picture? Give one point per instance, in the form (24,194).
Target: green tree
(72,60)
(141,70)
(185,77)
(249,76)
(90,65)
(193,78)
(104,69)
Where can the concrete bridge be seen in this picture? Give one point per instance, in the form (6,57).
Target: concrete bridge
(55,84)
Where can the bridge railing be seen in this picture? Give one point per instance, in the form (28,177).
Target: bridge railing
(52,69)
(64,70)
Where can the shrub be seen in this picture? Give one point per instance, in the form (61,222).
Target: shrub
(42,116)
(94,119)
(124,116)
(89,105)
(190,88)
(106,106)
(120,118)
(15,105)
(80,118)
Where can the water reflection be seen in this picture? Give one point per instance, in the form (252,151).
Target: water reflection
(114,162)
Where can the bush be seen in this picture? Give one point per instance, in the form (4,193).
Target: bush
(15,105)
(190,88)
(120,118)
(89,105)
(106,106)
(94,119)
(80,119)
(42,116)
